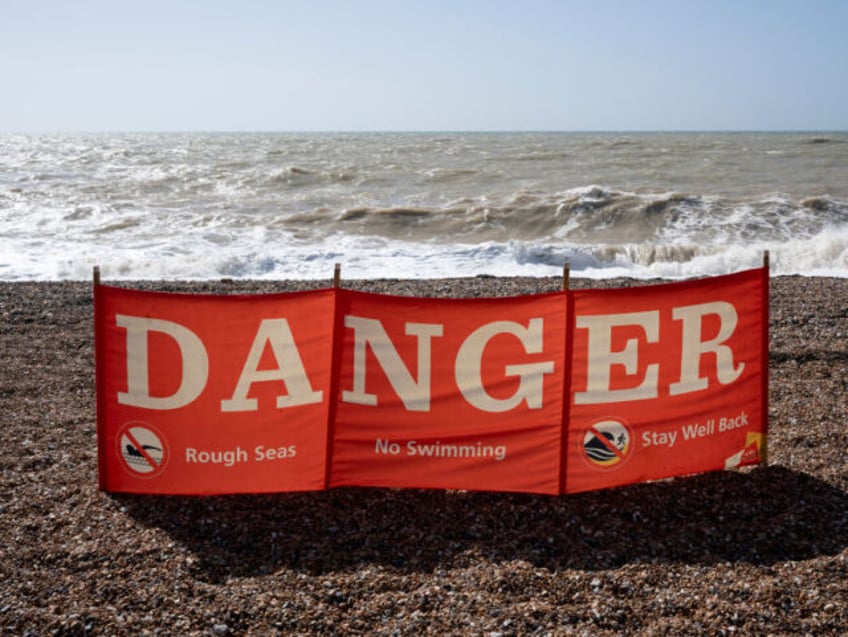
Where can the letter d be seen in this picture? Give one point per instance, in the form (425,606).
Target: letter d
(195,363)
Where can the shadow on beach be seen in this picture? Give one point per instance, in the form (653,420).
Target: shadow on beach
(761,516)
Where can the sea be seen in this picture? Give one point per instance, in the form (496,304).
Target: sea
(206,206)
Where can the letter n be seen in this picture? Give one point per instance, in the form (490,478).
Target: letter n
(415,394)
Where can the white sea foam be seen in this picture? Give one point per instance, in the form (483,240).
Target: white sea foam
(414,206)
(823,255)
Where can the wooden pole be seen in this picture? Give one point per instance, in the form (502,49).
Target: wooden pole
(764,459)
(566,274)
(337,275)
(98,394)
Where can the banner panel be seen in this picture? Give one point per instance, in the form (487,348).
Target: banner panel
(201,394)
(549,393)
(667,380)
(450,393)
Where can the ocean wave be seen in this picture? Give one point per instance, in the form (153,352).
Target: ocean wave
(397,214)
(447,175)
(592,215)
(297,176)
(824,254)
(201,206)
(203,257)
(815,141)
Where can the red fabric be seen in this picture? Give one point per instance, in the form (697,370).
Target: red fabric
(453,443)
(674,433)
(198,440)
(550,393)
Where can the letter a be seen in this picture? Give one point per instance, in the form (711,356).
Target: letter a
(195,368)
(289,369)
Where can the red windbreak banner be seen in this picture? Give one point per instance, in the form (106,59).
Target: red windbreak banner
(213,394)
(550,393)
(452,394)
(667,380)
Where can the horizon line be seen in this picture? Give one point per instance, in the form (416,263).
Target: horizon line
(412,131)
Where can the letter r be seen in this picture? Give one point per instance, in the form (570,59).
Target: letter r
(693,348)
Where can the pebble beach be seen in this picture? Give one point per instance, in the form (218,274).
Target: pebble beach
(757,551)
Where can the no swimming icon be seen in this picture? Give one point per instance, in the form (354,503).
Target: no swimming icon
(606,444)
(143,450)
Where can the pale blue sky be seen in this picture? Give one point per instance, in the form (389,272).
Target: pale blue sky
(333,65)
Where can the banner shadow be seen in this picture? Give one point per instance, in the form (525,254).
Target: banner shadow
(760,516)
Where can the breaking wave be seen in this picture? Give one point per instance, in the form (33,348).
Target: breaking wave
(409,205)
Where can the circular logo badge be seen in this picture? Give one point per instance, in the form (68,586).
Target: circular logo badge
(143,450)
(607,443)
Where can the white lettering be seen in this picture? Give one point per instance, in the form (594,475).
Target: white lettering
(386,447)
(693,348)
(228,458)
(468,367)
(261,452)
(195,363)
(667,438)
(441,450)
(729,424)
(415,394)
(602,358)
(290,370)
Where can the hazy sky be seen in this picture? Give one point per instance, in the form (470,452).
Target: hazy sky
(285,65)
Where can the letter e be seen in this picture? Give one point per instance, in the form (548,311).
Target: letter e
(601,358)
